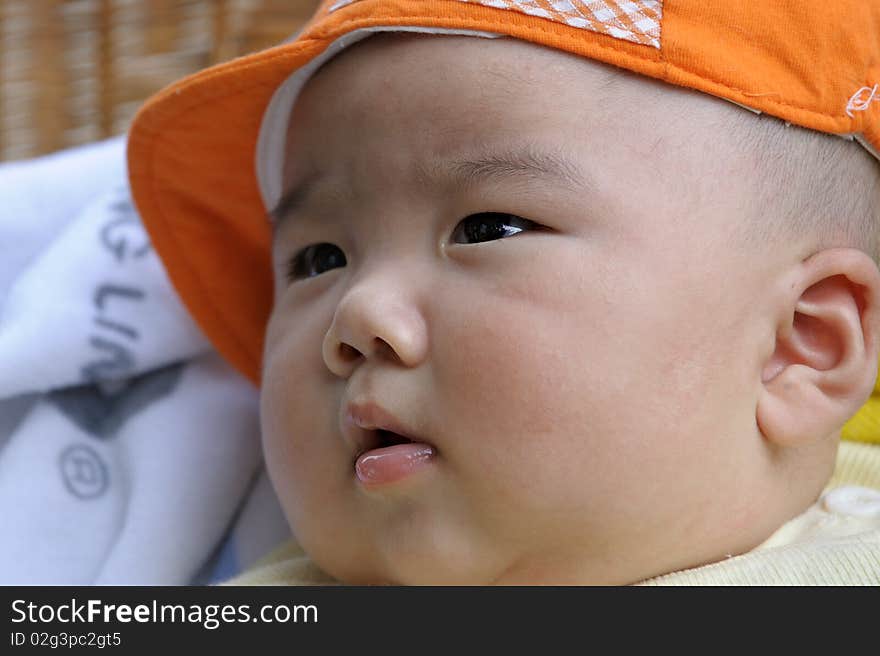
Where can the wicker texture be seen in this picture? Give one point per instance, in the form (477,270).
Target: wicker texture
(76,71)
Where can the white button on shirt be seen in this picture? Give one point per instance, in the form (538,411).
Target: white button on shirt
(852,500)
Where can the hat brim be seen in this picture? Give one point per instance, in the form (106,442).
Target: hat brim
(191,167)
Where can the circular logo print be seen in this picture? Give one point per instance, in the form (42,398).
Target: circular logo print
(84,473)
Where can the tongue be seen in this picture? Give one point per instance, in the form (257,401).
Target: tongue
(392,463)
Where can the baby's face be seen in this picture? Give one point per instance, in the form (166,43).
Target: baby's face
(530,261)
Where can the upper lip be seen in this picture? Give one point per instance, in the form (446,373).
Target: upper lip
(362,421)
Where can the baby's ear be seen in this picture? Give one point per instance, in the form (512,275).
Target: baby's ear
(825,359)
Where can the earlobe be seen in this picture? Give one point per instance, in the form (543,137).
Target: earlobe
(824,362)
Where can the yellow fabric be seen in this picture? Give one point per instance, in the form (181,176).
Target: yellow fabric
(865,424)
(286,565)
(816,548)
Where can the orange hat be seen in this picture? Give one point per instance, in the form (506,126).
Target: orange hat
(203,186)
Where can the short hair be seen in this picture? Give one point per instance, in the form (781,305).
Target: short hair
(812,185)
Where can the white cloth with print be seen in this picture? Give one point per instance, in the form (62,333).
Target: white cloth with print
(129,451)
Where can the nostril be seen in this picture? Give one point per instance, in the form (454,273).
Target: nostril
(348,353)
(378,347)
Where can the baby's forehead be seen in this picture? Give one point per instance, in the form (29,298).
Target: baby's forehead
(468,84)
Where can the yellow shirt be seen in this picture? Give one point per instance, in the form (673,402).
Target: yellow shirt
(835,542)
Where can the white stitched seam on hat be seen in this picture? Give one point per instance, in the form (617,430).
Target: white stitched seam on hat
(858,102)
(637,21)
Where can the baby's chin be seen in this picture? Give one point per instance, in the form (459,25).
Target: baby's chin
(432,559)
(452,564)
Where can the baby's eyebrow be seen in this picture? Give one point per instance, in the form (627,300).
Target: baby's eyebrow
(527,163)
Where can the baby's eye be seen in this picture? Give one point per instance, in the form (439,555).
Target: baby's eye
(314,260)
(487,226)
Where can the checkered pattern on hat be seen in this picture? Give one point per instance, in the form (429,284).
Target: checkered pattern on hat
(631,20)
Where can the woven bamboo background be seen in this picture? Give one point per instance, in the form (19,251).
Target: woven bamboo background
(75,71)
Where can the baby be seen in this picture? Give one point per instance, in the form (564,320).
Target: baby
(534,318)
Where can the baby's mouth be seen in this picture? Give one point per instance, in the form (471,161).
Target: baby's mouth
(389,457)
(387,438)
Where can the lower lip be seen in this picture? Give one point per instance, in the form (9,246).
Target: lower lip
(392,463)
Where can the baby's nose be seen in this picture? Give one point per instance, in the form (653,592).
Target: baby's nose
(377,319)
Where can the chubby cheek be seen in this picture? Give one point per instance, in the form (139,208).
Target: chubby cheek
(297,418)
(558,395)
(532,394)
